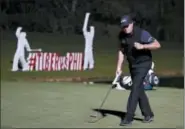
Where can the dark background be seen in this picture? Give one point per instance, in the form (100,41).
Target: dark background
(56,26)
(163,18)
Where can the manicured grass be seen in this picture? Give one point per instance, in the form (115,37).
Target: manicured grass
(63,105)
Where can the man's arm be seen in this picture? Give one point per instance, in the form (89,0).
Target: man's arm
(148,42)
(85,23)
(18,31)
(27,46)
(152,46)
(120,62)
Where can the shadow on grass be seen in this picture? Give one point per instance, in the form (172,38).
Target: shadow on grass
(119,114)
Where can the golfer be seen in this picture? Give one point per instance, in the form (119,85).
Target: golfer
(136,44)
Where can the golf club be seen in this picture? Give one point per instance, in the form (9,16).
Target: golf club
(36,50)
(95,115)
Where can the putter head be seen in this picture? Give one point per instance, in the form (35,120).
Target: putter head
(97,114)
(95,117)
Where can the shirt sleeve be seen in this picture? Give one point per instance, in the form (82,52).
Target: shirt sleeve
(146,37)
(120,44)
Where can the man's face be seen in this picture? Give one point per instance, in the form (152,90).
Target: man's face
(128,29)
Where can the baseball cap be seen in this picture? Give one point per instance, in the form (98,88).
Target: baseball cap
(126,20)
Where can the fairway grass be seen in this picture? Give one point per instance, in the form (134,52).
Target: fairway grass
(65,105)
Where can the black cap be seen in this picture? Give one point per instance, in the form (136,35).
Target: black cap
(126,20)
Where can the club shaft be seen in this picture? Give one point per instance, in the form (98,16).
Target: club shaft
(105,97)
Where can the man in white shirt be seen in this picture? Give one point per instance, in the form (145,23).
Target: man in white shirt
(89,37)
(20,52)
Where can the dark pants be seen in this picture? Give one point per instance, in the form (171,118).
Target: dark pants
(137,94)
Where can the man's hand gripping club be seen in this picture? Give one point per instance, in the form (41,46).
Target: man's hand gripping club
(119,69)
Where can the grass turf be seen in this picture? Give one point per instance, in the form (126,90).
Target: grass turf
(168,60)
(65,105)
